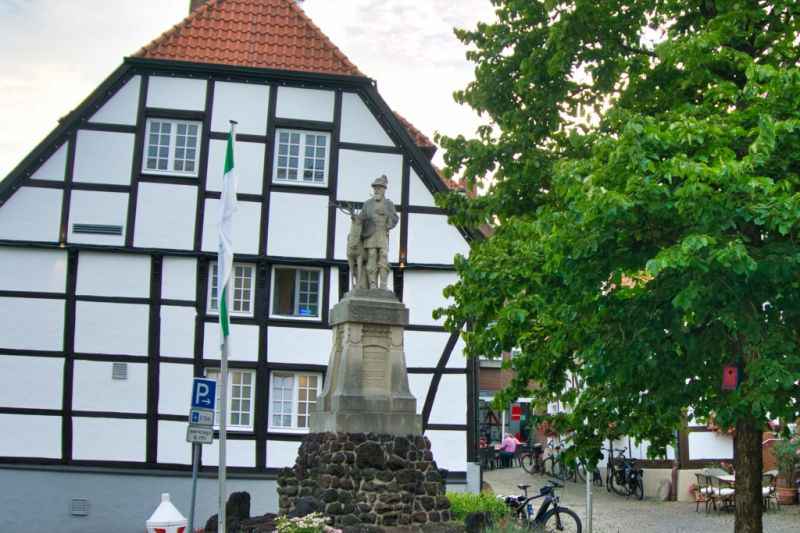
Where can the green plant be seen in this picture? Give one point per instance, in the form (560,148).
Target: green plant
(464,503)
(311,523)
(787,458)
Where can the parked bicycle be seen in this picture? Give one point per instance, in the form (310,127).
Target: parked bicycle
(533,459)
(551,515)
(581,472)
(552,465)
(623,476)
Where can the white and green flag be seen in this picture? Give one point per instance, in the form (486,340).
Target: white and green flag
(227,206)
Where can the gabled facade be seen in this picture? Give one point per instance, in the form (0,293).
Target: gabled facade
(108,269)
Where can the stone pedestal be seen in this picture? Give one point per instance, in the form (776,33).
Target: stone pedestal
(366,388)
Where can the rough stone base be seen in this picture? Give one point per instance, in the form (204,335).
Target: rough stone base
(365,480)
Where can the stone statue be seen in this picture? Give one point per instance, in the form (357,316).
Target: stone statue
(379,216)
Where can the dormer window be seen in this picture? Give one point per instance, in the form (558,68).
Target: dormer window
(172,147)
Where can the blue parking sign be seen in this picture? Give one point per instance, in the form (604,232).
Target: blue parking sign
(204,393)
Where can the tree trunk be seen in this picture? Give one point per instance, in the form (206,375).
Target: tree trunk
(748,463)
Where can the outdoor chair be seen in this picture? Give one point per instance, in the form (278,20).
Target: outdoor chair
(722,493)
(519,451)
(487,458)
(704,493)
(769,481)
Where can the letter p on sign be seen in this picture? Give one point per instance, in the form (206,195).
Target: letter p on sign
(204,393)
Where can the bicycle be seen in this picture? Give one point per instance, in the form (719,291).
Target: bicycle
(624,478)
(581,472)
(551,515)
(552,465)
(532,459)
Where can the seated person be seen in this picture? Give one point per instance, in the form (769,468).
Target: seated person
(506,449)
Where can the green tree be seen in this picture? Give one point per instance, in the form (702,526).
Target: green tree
(645,200)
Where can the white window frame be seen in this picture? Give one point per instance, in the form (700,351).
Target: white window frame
(212,303)
(235,385)
(172,148)
(281,165)
(294,426)
(296,296)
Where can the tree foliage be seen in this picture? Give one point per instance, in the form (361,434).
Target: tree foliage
(641,166)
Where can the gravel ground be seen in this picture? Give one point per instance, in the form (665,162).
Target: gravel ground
(616,514)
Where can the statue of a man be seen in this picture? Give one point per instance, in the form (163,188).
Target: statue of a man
(379,217)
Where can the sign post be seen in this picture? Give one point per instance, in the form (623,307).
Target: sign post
(200,430)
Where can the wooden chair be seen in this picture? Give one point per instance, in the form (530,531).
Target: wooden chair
(704,492)
(769,492)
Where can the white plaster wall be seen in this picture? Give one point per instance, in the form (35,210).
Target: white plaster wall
(422,293)
(281,453)
(333,290)
(290,345)
(343,224)
(449,449)
(709,445)
(458,359)
(238,453)
(108,439)
(419,384)
(178,278)
(450,405)
(305,104)
(297,225)
(25,269)
(242,342)
(93,207)
(432,240)
(31,436)
(172,445)
(165,216)
(95,390)
(176,93)
(177,331)
(246,227)
(424,348)
(32,382)
(245,103)
(359,124)
(102,274)
(640,450)
(357,171)
(123,107)
(175,389)
(103,157)
(53,169)
(31,214)
(249,166)
(29,323)
(418,193)
(111,328)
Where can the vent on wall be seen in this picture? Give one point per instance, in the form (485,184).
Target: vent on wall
(79,507)
(119,371)
(97,229)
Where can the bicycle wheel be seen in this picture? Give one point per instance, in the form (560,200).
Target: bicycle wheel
(638,486)
(560,519)
(609,473)
(581,472)
(528,463)
(547,466)
(618,484)
(598,477)
(557,469)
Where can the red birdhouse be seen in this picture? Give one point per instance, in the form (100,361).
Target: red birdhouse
(730,377)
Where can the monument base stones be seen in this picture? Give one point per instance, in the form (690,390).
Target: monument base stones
(366,479)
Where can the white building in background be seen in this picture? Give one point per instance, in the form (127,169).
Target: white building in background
(107,270)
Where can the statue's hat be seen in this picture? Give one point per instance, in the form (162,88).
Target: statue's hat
(381,181)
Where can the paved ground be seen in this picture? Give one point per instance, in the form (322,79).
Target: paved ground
(615,514)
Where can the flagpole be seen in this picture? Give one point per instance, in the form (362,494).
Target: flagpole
(227,207)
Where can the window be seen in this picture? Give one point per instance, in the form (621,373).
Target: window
(171,147)
(296,292)
(240,398)
(293,397)
(301,157)
(242,294)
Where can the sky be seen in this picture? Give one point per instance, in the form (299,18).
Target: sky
(54,53)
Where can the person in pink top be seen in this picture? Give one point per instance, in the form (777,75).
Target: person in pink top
(506,449)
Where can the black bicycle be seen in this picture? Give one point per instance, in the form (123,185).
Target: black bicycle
(581,472)
(533,459)
(623,476)
(551,515)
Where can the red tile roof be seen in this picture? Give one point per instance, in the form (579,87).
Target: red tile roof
(274,34)
(417,136)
